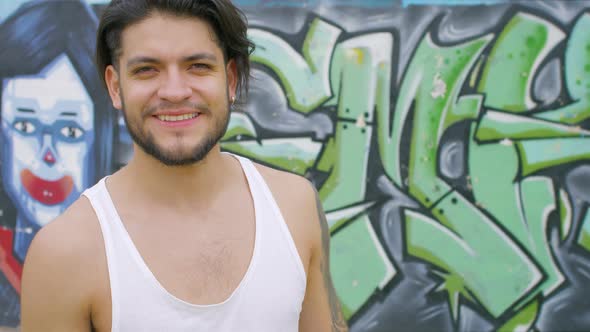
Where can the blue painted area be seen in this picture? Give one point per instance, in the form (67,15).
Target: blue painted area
(586,222)
(8,7)
(406,3)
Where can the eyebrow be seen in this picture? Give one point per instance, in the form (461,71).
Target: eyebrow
(193,57)
(200,56)
(25,110)
(68,113)
(141,59)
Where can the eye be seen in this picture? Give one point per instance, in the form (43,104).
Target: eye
(143,71)
(25,127)
(200,66)
(71,132)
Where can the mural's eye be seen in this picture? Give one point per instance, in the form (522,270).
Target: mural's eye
(71,132)
(25,127)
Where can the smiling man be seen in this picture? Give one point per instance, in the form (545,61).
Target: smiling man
(185,237)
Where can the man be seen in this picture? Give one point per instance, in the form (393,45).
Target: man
(53,111)
(185,237)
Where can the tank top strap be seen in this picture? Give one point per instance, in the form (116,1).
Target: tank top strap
(273,218)
(259,185)
(106,214)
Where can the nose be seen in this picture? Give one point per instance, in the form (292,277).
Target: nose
(48,157)
(174,87)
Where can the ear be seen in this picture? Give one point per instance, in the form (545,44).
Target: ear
(232,78)
(113,85)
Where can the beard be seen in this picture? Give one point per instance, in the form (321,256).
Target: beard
(176,156)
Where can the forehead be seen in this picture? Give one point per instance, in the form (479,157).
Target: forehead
(57,88)
(168,36)
(56,82)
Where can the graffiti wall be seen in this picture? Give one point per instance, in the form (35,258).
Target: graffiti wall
(448,141)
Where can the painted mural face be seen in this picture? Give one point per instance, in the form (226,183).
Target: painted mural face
(47,123)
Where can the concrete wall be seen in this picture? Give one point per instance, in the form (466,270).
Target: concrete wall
(447,139)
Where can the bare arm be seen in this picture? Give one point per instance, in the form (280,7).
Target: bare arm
(54,296)
(321,308)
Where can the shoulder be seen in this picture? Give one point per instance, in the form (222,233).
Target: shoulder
(290,190)
(61,274)
(299,204)
(63,252)
(71,234)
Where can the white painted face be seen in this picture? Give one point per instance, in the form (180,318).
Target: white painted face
(47,123)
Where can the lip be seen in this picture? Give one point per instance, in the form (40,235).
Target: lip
(44,191)
(180,111)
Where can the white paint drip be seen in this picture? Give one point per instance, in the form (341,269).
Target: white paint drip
(440,87)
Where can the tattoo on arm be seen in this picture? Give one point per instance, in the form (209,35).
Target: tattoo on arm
(338,321)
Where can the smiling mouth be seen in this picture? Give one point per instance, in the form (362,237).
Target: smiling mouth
(175,118)
(44,191)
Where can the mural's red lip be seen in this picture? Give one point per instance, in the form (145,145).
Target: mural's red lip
(47,192)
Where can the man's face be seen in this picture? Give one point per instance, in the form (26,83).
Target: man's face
(173,86)
(47,123)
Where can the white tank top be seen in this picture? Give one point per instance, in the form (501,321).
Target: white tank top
(268,298)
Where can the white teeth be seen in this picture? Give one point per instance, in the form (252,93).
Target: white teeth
(172,118)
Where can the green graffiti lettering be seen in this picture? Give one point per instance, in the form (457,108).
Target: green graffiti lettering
(305,78)
(538,201)
(487,242)
(359,83)
(496,126)
(431,86)
(295,155)
(541,154)
(240,126)
(338,217)
(490,266)
(351,141)
(509,71)
(577,77)
(565,213)
(524,319)
(358,273)
(584,237)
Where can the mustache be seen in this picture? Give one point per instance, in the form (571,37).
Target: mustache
(166,105)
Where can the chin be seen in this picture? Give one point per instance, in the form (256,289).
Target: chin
(37,212)
(44,215)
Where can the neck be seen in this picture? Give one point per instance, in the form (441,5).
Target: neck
(179,186)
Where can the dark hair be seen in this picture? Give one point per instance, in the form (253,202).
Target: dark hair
(228,23)
(40,31)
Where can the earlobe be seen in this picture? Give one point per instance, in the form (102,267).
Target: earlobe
(113,85)
(232,78)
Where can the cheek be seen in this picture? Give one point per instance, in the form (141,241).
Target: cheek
(73,161)
(216,87)
(86,120)
(139,94)
(25,152)
(214,95)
